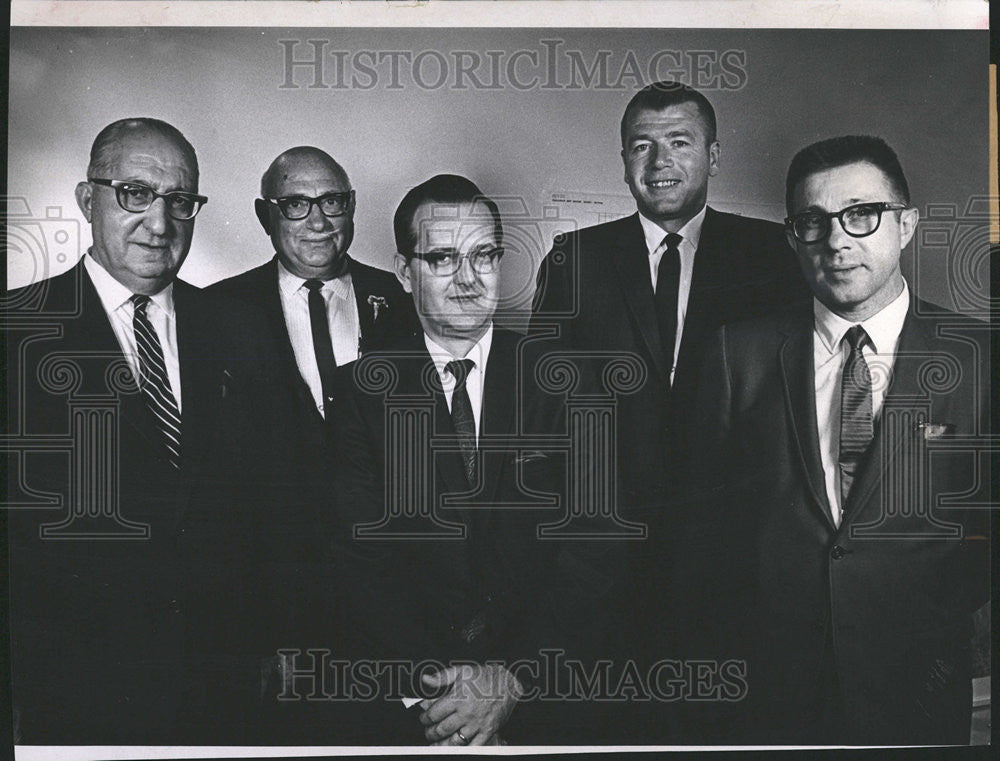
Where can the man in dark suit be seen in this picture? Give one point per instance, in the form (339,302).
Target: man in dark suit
(632,286)
(324,309)
(656,285)
(438,551)
(129,611)
(307,209)
(845,554)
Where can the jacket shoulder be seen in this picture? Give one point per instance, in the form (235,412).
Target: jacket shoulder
(370,280)
(606,231)
(61,293)
(247,284)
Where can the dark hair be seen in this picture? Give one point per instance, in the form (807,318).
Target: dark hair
(104,152)
(660,95)
(444,189)
(840,151)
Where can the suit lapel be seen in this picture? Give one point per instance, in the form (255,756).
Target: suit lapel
(708,276)
(631,262)
(798,377)
(914,348)
(94,332)
(498,407)
(201,380)
(362,287)
(270,298)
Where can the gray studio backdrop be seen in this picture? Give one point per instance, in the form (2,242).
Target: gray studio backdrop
(530,115)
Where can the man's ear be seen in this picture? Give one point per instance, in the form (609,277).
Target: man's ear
(401,267)
(714,153)
(908,219)
(791,240)
(263,214)
(85,198)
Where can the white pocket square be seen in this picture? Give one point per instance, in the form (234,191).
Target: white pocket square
(936,430)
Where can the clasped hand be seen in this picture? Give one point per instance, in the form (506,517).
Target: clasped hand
(477,704)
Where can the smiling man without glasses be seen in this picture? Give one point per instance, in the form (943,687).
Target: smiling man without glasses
(656,284)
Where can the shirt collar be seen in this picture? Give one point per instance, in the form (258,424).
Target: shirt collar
(478,353)
(289,284)
(654,234)
(883,327)
(114,295)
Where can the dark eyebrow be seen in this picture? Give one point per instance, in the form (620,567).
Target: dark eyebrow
(163,192)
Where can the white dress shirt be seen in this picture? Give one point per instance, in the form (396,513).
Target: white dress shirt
(342,318)
(690,235)
(477,375)
(830,353)
(116,299)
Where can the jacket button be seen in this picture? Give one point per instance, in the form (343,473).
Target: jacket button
(837,552)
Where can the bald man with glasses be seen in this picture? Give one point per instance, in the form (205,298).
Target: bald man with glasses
(131,595)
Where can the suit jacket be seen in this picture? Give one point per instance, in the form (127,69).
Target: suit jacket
(595,284)
(132,626)
(858,634)
(489,588)
(395,320)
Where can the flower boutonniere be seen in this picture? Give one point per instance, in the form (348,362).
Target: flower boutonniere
(377,303)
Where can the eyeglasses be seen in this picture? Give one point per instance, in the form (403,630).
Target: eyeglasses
(136,197)
(858,220)
(483,261)
(300,207)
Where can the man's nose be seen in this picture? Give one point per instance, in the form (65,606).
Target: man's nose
(316,219)
(465,272)
(155,218)
(661,155)
(838,237)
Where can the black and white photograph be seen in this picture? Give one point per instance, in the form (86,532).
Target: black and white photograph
(503,375)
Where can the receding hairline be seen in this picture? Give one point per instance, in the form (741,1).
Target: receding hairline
(290,158)
(106,150)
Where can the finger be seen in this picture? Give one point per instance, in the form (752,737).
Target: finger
(441,678)
(481,738)
(444,729)
(437,711)
(471,734)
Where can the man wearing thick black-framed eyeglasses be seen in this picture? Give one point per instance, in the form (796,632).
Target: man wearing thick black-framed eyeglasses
(834,424)
(127,608)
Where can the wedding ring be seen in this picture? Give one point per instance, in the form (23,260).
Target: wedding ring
(462,738)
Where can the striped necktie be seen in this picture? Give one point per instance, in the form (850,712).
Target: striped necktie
(857,427)
(155,383)
(462,416)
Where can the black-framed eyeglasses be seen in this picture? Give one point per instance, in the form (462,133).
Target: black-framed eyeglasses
(858,220)
(136,197)
(447,261)
(300,207)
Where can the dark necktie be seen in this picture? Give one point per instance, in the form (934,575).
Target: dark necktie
(154,381)
(322,344)
(856,419)
(461,415)
(668,277)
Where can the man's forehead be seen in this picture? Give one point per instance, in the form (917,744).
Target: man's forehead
(454,226)
(309,172)
(155,153)
(677,116)
(842,185)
